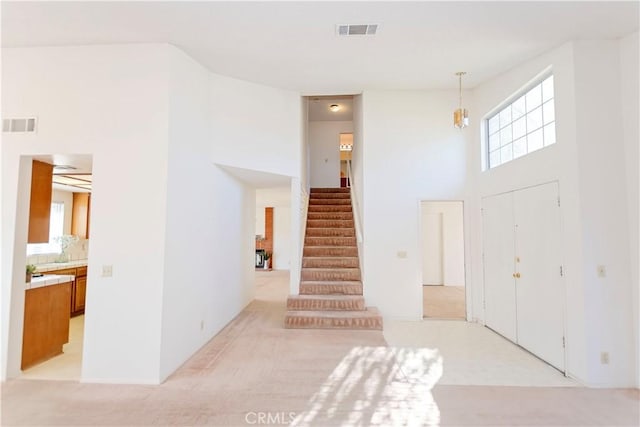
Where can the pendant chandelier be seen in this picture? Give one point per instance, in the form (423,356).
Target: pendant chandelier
(460,116)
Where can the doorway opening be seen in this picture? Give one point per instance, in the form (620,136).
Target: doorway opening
(57,248)
(443,275)
(330,138)
(346,147)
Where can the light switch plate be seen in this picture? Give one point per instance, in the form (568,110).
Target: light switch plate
(107,270)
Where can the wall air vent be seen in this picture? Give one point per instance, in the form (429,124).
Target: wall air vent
(21,125)
(356,29)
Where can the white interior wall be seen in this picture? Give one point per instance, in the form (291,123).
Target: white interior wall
(587,113)
(603,200)
(299,200)
(324,146)
(630,90)
(411,153)
(282,237)
(255,127)
(103,101)
(116,100)
(452,239)
(200,231)
(260,220)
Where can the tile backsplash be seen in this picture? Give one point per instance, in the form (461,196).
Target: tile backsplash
(79,250)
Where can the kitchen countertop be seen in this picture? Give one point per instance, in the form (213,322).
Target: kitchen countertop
(48,280)
(43,268)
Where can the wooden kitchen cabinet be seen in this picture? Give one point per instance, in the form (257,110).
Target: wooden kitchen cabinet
(46,323)
(80,215)
(40,204)
(78,294)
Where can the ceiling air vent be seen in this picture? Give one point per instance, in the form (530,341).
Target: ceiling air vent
(22,125)
(357,29)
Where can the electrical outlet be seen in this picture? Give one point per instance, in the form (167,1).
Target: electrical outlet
(402,254)
(107,270)
(602,271)
(604,358)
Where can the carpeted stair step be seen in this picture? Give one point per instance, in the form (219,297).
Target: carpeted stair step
(346,196)
(330,208)
(330,190)
(329,241)
(330,262)
(366,319)
(330,251)
(326,302)
(330,274)
(315,202)
(326,287)
(329,223)
(330,232)
(342,216)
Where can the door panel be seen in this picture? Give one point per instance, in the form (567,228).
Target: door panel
(539,292)
(498,248)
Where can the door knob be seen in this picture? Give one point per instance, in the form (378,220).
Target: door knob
(517,275)
(514,275)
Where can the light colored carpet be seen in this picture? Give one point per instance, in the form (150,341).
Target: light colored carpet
(255,372)
(444,302)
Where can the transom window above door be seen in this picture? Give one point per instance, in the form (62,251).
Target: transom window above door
(522,126)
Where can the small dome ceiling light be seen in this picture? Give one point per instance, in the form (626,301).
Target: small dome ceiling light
(335,107)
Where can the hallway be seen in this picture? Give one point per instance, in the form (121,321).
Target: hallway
(256,372)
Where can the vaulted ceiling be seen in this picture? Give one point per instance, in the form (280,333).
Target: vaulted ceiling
(294,45)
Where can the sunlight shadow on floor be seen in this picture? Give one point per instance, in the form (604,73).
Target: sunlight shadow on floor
(378,386)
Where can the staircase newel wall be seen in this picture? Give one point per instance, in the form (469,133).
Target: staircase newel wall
(299,208)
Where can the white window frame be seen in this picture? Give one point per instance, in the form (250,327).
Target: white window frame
(506,138)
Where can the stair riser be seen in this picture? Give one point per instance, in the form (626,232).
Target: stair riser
(330,196)
(330,216)
(348,251)
(317,289)
(321,202)
(330,263)
(330,241)
(368,323)
(329,223)
(330,190)
(329,208)
(329,274)
(323,304)
(331,232)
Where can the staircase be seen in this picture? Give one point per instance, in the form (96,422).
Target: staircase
(330,286)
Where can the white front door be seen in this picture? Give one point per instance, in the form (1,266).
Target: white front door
(539,291)
(498,247)
(523,289)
